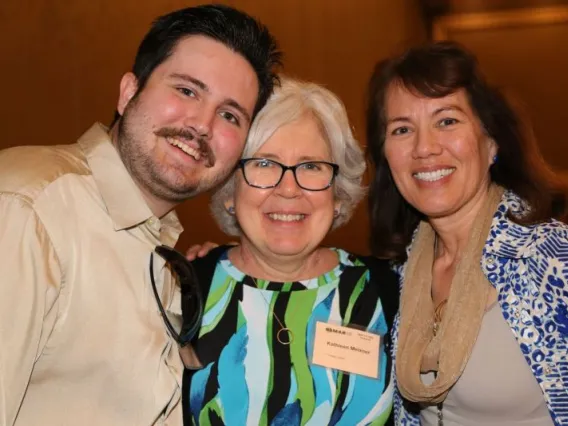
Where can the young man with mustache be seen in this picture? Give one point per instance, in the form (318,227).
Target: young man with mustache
(83,341)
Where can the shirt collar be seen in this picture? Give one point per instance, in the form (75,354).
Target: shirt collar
(122,198)
(507,238)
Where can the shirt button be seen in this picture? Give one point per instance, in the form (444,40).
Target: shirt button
(547,370)
(491,261)
(517,313)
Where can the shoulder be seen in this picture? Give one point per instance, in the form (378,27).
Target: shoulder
(383,280)
(380,270)
(549,262)
(510,239)
(371,262)
(553,237)
(205,266)
(378,267)
(28,170)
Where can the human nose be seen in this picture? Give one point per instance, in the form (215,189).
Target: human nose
(425,144)
(201,120)
(288,186)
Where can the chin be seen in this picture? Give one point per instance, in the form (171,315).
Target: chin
(438,211)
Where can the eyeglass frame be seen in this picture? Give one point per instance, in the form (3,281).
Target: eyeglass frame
(242,162)
(190,292)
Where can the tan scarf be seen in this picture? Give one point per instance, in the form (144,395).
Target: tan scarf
(448,352)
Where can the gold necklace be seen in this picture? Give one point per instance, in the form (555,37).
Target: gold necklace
(283,329)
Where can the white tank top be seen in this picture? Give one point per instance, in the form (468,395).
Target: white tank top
(497,387)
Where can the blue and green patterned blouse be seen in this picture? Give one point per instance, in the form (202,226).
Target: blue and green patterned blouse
(249,378)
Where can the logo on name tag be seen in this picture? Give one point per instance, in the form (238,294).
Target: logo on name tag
(335,330)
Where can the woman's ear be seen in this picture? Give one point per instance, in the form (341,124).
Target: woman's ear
(230,206)
(492,152)
(337,209)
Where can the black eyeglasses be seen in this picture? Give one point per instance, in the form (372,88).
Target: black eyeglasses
(185,327)
(310,175)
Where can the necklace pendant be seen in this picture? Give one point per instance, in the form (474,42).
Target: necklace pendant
(289,336)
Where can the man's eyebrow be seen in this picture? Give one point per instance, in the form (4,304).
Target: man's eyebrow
(230,102)
(190,79)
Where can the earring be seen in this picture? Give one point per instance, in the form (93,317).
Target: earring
(231,210)
(495,157)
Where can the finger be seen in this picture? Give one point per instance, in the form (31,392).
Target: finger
(206,248)
(193,251)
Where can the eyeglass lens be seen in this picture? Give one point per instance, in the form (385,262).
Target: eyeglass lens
(315,175)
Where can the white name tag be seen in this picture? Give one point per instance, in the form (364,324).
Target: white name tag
(347,349)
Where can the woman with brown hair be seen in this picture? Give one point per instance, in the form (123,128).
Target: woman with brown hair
(463,202)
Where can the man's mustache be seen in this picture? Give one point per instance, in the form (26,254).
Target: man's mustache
(189,135)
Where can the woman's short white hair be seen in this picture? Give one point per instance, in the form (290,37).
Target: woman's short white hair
(291,101)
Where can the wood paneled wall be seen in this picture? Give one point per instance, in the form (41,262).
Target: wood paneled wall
(523,51)
(61,62)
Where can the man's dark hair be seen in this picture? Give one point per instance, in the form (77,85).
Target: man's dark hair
(435,70)
(235,29)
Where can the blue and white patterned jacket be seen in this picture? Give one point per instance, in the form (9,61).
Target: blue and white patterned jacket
(528,266)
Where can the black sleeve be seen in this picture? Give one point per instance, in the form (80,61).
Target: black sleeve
(386,281)
(204,268)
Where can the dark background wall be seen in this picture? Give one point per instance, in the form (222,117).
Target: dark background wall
(522,46)
(61,62)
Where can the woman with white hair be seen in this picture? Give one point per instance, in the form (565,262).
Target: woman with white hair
(293,333)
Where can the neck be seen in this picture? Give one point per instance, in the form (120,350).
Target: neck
(281,268)
(453,232)
(157,206)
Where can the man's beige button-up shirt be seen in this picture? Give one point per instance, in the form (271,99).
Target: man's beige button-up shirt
(81,339)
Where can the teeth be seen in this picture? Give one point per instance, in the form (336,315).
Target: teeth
(435,175)
(286,217)
(187,149)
